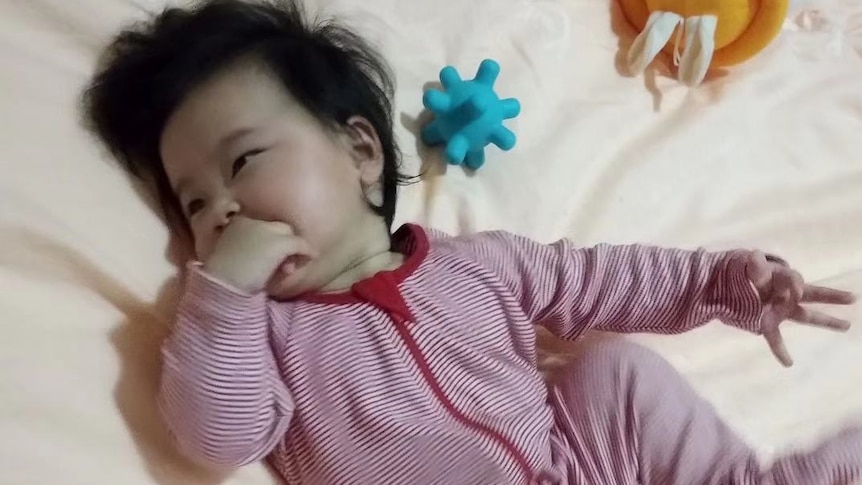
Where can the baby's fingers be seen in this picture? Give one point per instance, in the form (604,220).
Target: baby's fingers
(819,319)
(788,283)
(297,246)
(821,294)
(776,344)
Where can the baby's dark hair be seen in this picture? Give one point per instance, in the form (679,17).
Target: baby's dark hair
(150,67)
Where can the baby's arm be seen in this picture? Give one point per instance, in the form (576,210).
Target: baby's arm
(221,393)
(622,288)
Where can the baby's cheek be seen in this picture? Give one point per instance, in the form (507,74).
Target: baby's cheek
(262,195)
(315,209)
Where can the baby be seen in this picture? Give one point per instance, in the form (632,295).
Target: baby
(313,335)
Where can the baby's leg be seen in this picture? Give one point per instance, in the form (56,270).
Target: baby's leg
(630,418)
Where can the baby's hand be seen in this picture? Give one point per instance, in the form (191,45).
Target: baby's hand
(782,291)
(250,251)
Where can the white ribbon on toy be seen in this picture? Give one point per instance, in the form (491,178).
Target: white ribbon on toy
(693,60)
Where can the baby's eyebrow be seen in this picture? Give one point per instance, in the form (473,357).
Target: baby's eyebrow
(230,138)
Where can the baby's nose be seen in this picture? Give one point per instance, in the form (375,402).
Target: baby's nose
(227,212)
(230,215)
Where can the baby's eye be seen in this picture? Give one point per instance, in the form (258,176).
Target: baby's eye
(241,162)
(194,206)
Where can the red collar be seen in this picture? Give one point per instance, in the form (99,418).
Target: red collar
(409,240)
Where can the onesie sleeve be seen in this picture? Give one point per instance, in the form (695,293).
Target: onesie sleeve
(627,289)
(221,394)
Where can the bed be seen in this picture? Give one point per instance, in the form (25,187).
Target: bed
(767,156)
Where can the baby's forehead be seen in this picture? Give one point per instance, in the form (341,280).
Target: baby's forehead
(242,97)
(245,82)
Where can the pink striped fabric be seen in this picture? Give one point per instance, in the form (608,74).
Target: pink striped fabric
(426,374)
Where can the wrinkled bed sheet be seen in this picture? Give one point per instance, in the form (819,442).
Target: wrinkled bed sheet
(768,155)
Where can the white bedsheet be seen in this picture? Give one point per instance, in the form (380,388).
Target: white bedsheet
(768,156)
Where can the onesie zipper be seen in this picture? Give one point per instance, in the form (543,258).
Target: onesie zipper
(428,375)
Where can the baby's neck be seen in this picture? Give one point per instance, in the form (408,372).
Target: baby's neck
(376,256)
(366,268)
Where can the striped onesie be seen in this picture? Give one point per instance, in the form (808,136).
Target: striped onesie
(428,374)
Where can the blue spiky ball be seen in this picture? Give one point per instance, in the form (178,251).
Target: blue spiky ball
(468,115)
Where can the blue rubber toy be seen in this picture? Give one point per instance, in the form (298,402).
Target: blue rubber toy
(469,115)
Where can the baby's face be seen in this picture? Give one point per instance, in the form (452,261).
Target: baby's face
(239,143)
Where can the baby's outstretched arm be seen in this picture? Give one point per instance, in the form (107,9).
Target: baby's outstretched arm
(221,394)
(651,289)
(623,288)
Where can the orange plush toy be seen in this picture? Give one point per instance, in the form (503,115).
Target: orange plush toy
(708,33)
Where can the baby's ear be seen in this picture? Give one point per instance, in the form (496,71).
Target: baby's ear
(366,150)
